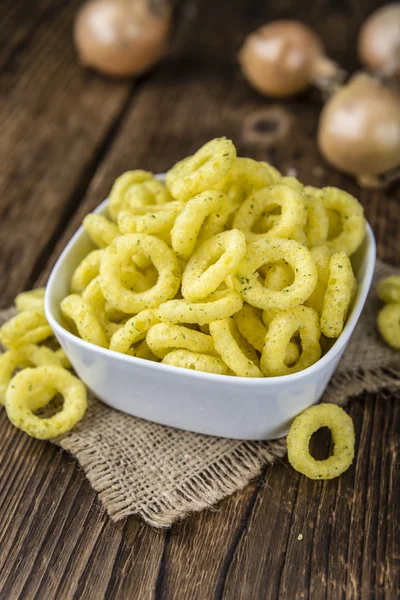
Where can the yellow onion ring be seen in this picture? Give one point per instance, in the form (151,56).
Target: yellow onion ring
(307,423)
(29,392)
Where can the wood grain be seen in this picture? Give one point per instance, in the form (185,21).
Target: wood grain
(66,135)
(18,23)
(50,143)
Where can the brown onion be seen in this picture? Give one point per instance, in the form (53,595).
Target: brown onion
(282,58)
(379,41)
(359,128)
(121,37)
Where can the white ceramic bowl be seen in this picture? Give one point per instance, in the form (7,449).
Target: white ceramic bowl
(235,407)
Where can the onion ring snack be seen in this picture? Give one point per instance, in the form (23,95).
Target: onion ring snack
(151,222)
(160,255)
(83,316)
(27,327)
(196,361)
(234,350)
(389,324)
(30,391)
(245,177)
(352,219)
(283,327)
(101,230)
(34,299)
(165,337)
(292,217)
(322,256)
(307,423)
(219,305)
(87,270)
(119,194)
(389,289)
(29,355)
(201,171)
(271,250)
(135,329)
(317,224)
(187,225)
(212,263)
(338,295)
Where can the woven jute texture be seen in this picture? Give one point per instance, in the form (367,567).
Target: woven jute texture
(163,474)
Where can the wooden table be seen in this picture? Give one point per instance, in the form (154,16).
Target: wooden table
(65,135)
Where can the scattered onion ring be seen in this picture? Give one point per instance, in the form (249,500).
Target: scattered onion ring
(32,389)
(389,324)
(307,423)
(388,289)
(33,299)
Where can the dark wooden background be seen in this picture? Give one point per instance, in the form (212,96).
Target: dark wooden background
(65,135)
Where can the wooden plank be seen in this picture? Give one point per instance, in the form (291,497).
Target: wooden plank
(210,542)
(335,558)
(274,561)
(55,542)
(259,556)
(18,22)
(55,119)
(136,566)
(387,555)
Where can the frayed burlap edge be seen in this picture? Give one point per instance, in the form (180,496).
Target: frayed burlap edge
(224,476)
(355,383)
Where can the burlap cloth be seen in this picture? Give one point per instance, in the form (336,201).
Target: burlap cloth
(163,474)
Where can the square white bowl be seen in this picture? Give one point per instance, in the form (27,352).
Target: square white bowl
(234,407)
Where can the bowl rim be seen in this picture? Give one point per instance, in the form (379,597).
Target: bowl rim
(336,348)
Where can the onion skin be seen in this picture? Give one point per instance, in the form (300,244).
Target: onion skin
(120,38)
(282,58)
(359,128)
(379,41)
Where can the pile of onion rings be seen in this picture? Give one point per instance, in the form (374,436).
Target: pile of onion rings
(32,374)
(227,267)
